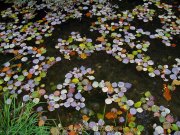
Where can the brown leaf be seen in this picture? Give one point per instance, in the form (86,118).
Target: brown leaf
(54,131)
(41,123)
(100,39)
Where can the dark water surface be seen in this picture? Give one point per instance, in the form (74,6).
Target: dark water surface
(108,68)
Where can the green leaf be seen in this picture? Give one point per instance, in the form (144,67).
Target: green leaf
(137,104)
(174,127)
(20,78)
(100,116)
(43,74)
(147,94)
(35,94)
(140,127)
(132,124)
(1,81)
(162,119)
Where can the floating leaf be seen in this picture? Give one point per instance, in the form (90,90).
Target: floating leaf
(54,131)
(5,69)
(85,117)
(20,78)
(83,56)
(70,40)
(29,76)
(176,82)
(162,119)
(100,39)
(41,123)
(1,81)
(132,124)
(174,127)
(167,94)
(147,94)
(75,80)
(140,127)
(88,14)
(35,94)
(100,116)
(111,115)
(72,133)
(137,104)
(82,46)
(43,74)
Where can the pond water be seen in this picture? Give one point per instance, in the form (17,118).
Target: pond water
(106,66)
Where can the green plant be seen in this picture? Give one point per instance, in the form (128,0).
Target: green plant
(19,119)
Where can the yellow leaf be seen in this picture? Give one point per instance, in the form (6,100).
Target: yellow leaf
(83,56)
(75,80)
(54,131)
(85,117)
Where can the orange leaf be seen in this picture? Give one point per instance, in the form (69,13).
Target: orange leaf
(5,69)
(88,14)
(100,39)
(44,19)
(111,115)
(167,94)
(41,123)
(72,53)
(114,27)
(85,117)
(34,48)
(29,76)
(39,51)
(173,45)
(72,133)
(19,65)
(83,56)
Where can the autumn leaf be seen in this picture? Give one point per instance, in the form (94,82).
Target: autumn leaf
(83,56)
(100,39)
(176,82)
(29,76)
(54,131)
(88,14)
(70,127)
(72,133)
(41,123)
(5,69)
(85,117)
(111,115)
(72,53)
(173,45)
(167,94)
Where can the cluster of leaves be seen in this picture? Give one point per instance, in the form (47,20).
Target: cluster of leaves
(18,2)
(60,3)
(18,118)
